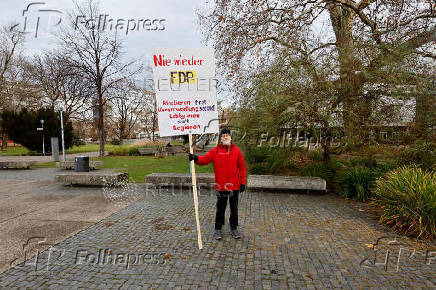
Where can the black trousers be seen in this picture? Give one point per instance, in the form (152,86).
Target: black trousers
(221,205)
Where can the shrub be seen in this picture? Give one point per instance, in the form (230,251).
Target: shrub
(258,169)
(324,170)
(267,159)
(256,154)
(116,142)
(406,199)
(364,162)
(77,142)
(277,159)
(133,151)
(315,155)
(422,154)
(356,182)
(120,151)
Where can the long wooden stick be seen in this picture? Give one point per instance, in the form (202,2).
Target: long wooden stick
(194,191)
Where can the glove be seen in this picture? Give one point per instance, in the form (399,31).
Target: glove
(242,188)
(193,157)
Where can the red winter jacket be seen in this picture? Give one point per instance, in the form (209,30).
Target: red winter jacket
(228,166)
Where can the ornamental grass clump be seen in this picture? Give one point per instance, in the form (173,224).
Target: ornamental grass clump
(356,182)
(405,199)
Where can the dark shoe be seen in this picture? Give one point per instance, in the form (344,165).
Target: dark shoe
(218,234)
(235,234)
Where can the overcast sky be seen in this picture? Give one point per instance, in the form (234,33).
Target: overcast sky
(180,22)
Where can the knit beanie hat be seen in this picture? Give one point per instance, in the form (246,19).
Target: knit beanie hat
(224,131)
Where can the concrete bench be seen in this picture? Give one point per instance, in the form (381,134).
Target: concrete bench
(71,165)
(16,164)
(102,177)
(147,151)
(254,182)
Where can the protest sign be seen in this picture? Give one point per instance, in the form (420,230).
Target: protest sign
(185,86)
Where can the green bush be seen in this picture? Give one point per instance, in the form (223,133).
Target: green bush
(406,199)
(258,169)
(120,151)
(365,162)
(277,159)
(356,182)
(133,151)
(116,142)
(267,159)
(315,155)
(257,154)
(324,170)
(78,142)
(422,154)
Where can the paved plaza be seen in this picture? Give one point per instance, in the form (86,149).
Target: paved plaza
(288,241)
(36,212)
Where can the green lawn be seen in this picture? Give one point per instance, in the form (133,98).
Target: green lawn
(18,150)
(90,148)
(21,150)
(140,166)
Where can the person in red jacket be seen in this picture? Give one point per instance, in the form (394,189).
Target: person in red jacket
(229,170)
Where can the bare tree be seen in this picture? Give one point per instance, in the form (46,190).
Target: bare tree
(59,83)
(126,107)
(96,55)
(363,38)
(10,41)
(147,114)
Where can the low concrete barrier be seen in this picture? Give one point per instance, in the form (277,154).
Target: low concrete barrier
(254,182)
(71,165)
(102,177)
(16,164)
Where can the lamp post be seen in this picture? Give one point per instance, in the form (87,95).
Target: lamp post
(43,145)
(62,135)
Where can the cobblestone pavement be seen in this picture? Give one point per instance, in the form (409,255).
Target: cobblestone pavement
(288,241)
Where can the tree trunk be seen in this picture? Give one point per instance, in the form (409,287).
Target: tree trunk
(4,141)
(351,84)
(101,134)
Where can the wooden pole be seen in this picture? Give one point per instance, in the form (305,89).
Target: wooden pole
(194,191)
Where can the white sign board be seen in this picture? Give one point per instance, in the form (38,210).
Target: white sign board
(185,86)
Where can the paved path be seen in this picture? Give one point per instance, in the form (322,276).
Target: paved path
(35,212)
(289,241)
